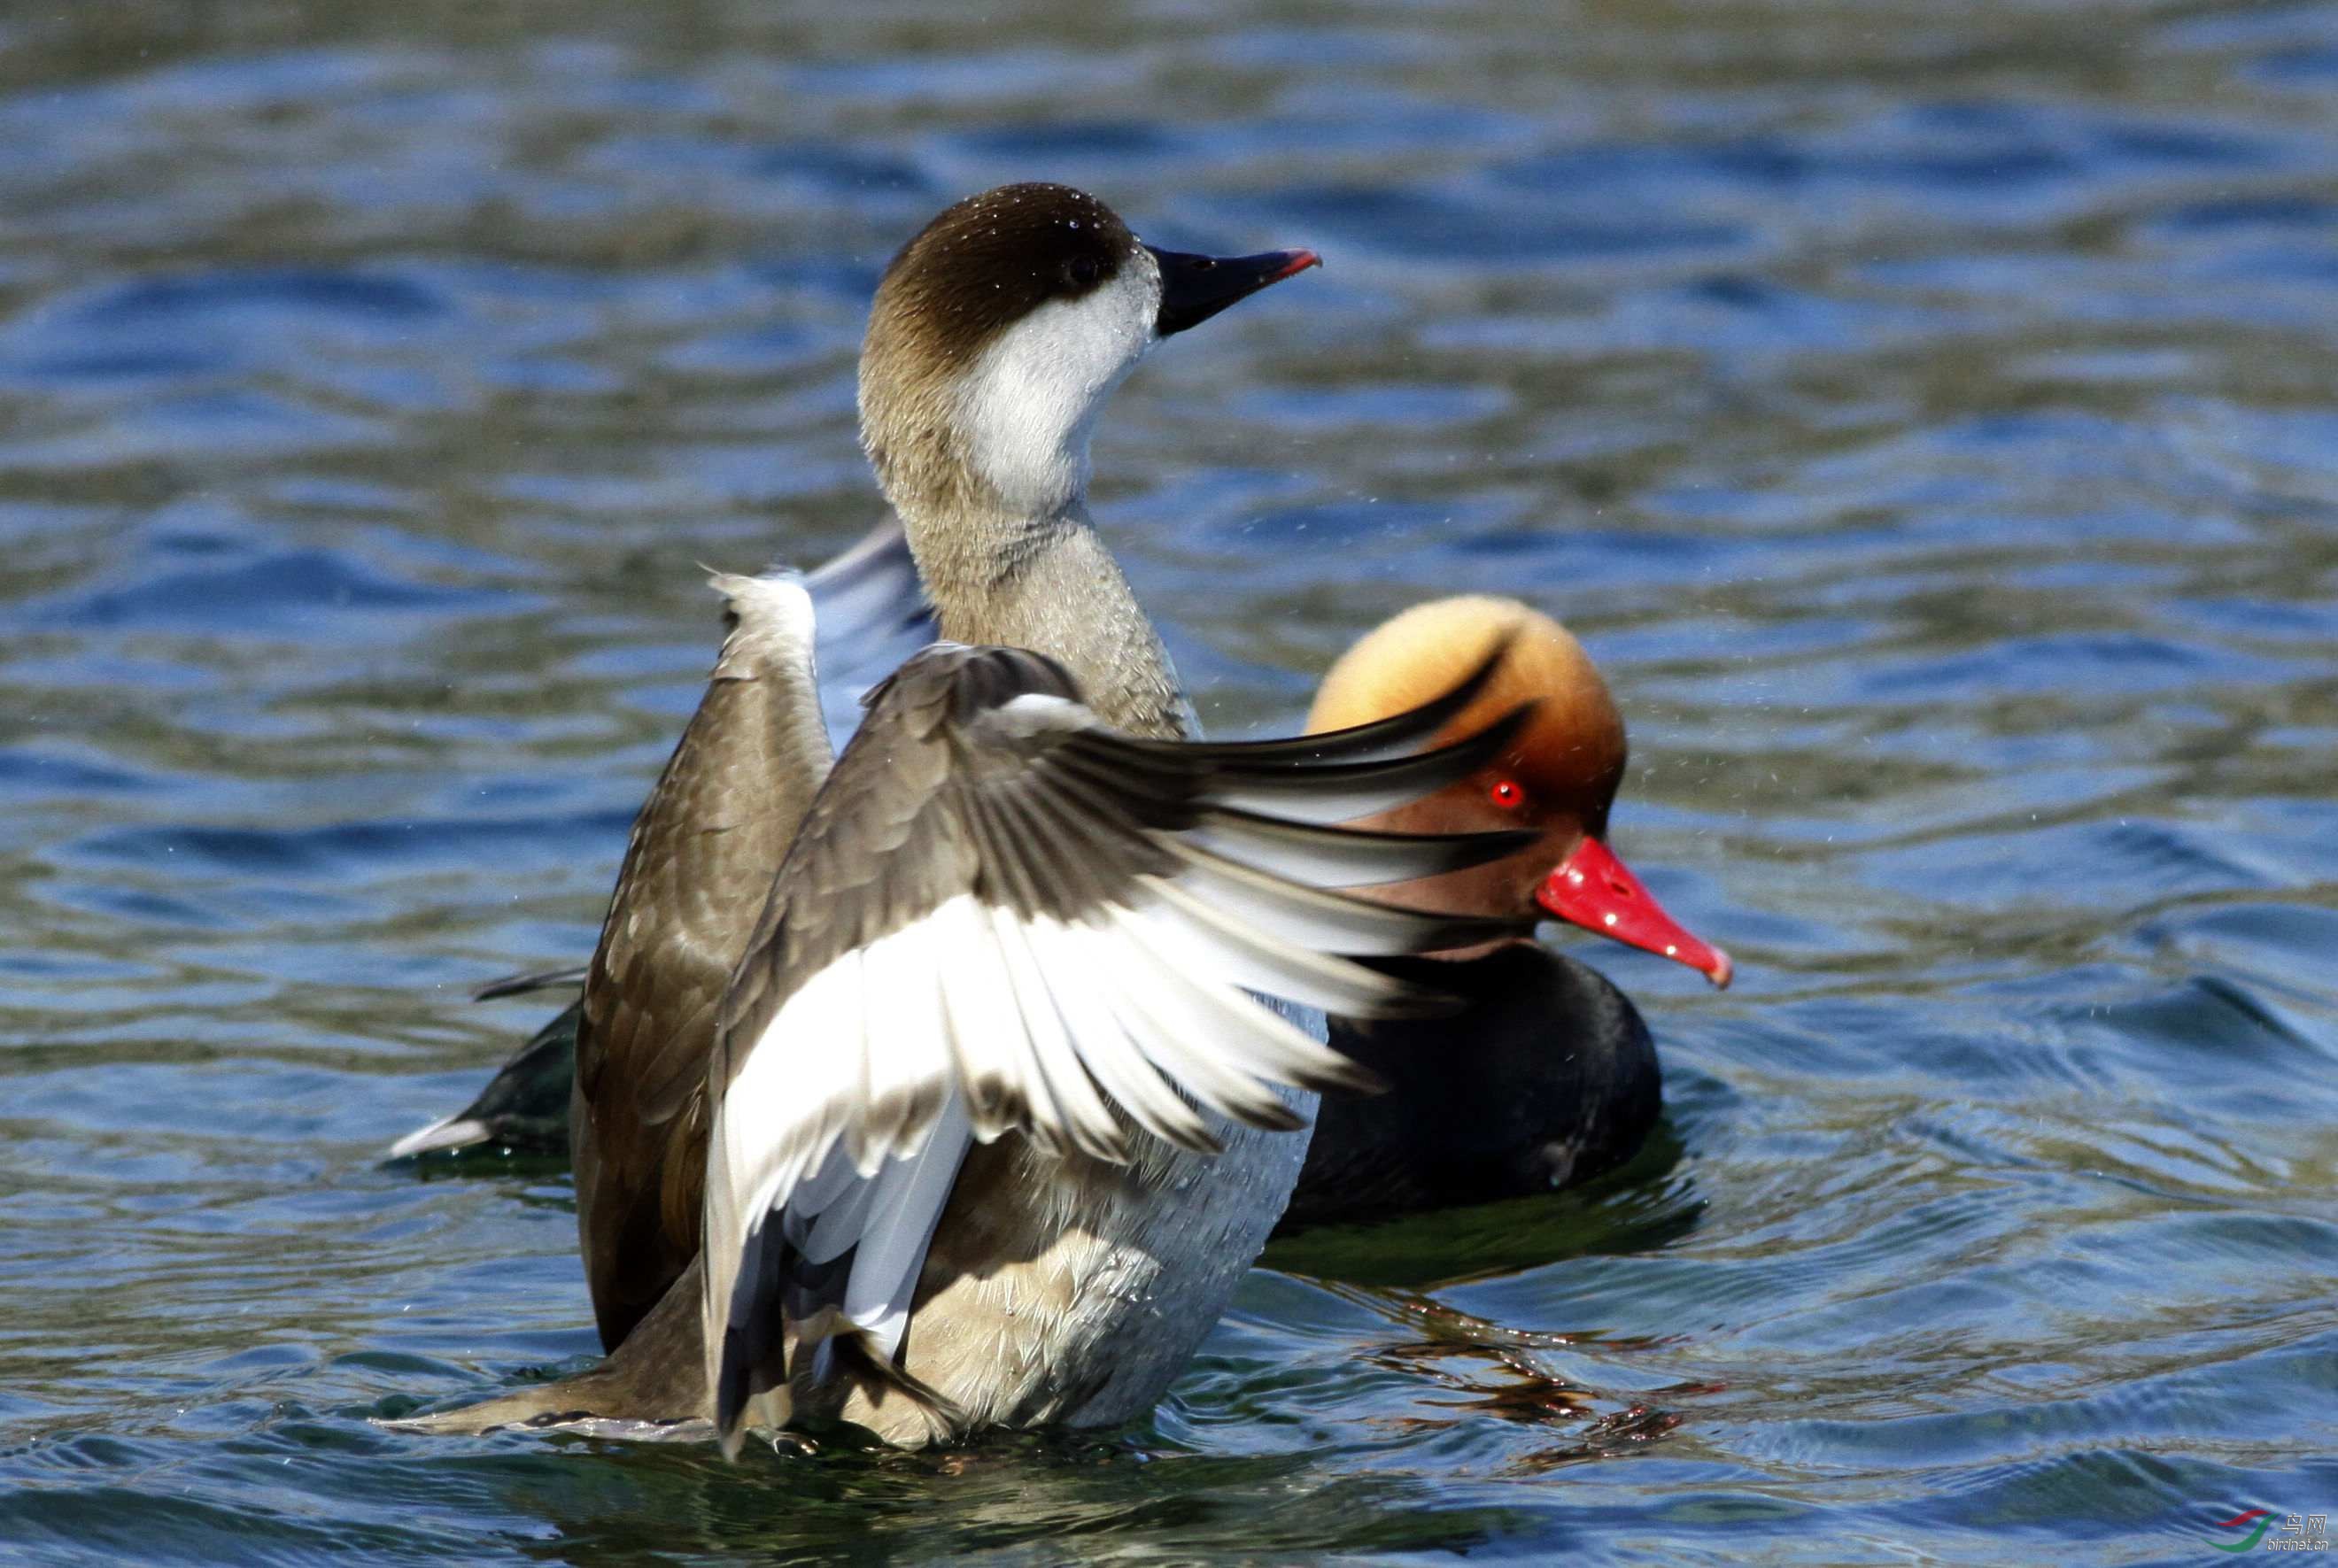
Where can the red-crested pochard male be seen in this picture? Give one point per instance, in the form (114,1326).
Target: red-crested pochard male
(982,1130)
(1545,1074)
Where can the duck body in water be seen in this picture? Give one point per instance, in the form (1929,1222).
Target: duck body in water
(1543,1078)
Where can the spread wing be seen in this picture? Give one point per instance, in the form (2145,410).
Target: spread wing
(869,613)
(1000,915)
(697,868)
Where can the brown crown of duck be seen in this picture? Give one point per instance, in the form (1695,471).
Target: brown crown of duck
(1056,262)
(1559,776)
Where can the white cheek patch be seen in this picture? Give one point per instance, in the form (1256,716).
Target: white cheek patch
(1031,399)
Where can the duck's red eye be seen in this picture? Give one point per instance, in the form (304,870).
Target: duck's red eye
(1507,794)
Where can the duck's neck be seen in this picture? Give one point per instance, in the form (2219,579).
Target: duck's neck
(1046,582)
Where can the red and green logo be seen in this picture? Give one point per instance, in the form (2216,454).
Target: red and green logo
(2260,1518)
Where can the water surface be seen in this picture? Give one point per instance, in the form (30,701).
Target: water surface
(1924,414)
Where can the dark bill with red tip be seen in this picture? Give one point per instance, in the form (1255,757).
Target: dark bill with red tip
(1593,890)
(1195,288)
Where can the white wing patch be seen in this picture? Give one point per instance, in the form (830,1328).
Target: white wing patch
(850,1115)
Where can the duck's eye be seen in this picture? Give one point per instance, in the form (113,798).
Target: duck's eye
(1081,271)
(1507,794)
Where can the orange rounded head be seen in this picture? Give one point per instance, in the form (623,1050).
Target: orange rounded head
(1558,776)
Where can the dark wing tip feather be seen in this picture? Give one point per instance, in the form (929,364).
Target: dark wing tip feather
(1421,773)
(1378,739)
(1112,1151)
(994,1105)
(731,1396)
(747,1335)
(1351,1075)
(1404,856)
(1276,1117)
(534,980)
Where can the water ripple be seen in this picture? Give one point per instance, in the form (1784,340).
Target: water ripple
(1921,415)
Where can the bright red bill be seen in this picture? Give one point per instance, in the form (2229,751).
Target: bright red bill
(1294,263)
(1595,890)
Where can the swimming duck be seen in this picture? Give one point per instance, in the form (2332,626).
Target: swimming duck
(981,1130)
(1545,1075)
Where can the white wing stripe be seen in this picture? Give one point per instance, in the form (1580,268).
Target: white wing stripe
(1225,946)
(1081,1116)
(788,1089)
(1082,976)
(1317,922)
(1330,863)
(905,1060)
(983,1023)
(1285,1051)
(1316,800)
(1172,1032)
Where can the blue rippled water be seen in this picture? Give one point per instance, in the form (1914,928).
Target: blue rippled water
(1927,415)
